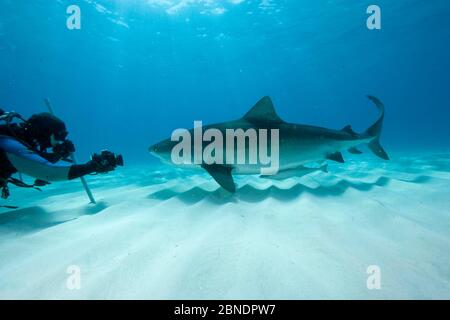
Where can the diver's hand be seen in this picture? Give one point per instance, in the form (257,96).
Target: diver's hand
(64,149)
(100,163)
(105,161)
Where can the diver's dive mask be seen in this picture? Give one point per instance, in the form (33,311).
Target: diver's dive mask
(56,139)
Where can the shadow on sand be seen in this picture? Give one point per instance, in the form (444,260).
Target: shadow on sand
(33,219)
(250,193)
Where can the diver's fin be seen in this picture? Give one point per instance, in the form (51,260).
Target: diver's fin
(349,130)
(41,183)
(354,150)
(375,130)
(263,111)
(222,175)
(337,156)
(9,207)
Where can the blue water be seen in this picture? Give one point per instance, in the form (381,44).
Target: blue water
(139,69)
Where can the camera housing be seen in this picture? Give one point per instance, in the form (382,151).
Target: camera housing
(108,158)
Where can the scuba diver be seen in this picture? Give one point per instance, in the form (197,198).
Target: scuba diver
(24,148)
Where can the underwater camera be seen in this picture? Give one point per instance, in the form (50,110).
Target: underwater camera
(108,158)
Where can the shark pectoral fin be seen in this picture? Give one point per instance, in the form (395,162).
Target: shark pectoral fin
(222,175)
(354,151)
(337,156)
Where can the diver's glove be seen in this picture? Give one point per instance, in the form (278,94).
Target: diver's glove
(104,162)
(64,149)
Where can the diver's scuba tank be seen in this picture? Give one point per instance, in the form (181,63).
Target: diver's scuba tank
(9,116)
(8,128)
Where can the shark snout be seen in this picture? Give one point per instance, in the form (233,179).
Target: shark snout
(161,151)
(155,150)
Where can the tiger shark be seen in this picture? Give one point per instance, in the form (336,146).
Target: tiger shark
(297,145)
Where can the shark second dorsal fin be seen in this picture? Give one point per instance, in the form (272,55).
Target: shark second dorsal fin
(349,130)
(263,111)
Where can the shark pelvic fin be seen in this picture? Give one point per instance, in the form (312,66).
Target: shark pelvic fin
(263,111)
(222,175)
(354,151)
(337,156)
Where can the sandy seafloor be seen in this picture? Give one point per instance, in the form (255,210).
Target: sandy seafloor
(164,233)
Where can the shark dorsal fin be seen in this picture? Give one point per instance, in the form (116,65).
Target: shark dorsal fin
(263,111)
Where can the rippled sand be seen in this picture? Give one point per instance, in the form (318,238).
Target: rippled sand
(159,233)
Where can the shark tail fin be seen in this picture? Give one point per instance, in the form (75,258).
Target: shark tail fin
(375,131)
